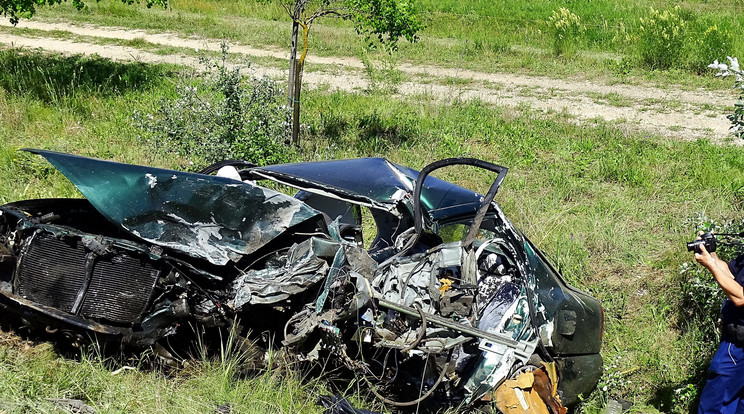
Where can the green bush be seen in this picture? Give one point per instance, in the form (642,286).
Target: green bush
(714,44)
(733,69)
(661,39)
(227,115)
(566,30)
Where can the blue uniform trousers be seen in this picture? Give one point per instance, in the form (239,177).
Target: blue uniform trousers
(724,391)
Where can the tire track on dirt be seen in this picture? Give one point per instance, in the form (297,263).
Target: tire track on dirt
(693,114)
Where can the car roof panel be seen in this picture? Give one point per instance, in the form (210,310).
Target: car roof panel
(380,181)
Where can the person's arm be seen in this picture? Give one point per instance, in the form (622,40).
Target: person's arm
(720,270)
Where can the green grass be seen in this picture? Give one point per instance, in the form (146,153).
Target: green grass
(483,36)
(613,99)
(32,374)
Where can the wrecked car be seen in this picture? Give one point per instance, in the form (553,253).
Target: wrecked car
(407,280)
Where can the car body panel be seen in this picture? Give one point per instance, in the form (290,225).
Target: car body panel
(209,217)
(379,181)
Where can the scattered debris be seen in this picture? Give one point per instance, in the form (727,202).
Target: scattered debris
(444,301)
(613,407)
(122,369)
(224,409)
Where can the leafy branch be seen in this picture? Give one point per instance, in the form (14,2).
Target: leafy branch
(16,9)
(733,69)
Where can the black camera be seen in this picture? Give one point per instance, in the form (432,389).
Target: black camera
(708,240)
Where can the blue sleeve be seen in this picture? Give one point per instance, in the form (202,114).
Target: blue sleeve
(736,266)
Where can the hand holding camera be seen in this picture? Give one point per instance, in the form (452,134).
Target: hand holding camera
(706,239)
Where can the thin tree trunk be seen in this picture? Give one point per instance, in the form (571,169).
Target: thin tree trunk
(300,64)
(292,64)
(296,106)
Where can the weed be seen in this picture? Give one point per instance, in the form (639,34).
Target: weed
(623,67)
(612,98)
(494,46)
(384,76)
(565,29)
(714,44)
(58,80)
(615,378)
(661,39)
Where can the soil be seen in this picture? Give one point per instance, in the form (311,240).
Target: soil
(673,113)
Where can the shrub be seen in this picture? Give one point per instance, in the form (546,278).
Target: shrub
(737,117)
(713,44)
(566,30)
(661,39)
(227,115)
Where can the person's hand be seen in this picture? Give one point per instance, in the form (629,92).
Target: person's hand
(709,260)
(704,258)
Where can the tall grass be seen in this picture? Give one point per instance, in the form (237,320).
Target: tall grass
(33,375)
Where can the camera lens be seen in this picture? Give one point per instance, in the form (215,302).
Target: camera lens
(695,246)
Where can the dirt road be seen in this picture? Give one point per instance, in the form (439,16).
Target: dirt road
(685,115)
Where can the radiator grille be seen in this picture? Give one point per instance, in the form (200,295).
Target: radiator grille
(124,281)
(52,272)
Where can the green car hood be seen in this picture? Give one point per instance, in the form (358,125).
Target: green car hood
(204,216)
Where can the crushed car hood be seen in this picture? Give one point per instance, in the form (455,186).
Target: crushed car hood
(378,182)
(208,217)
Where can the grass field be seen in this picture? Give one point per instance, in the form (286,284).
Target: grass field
(613,208)
(482,36)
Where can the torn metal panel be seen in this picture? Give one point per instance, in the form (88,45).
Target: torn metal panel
(377,180)
(288,274)
(209,217)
